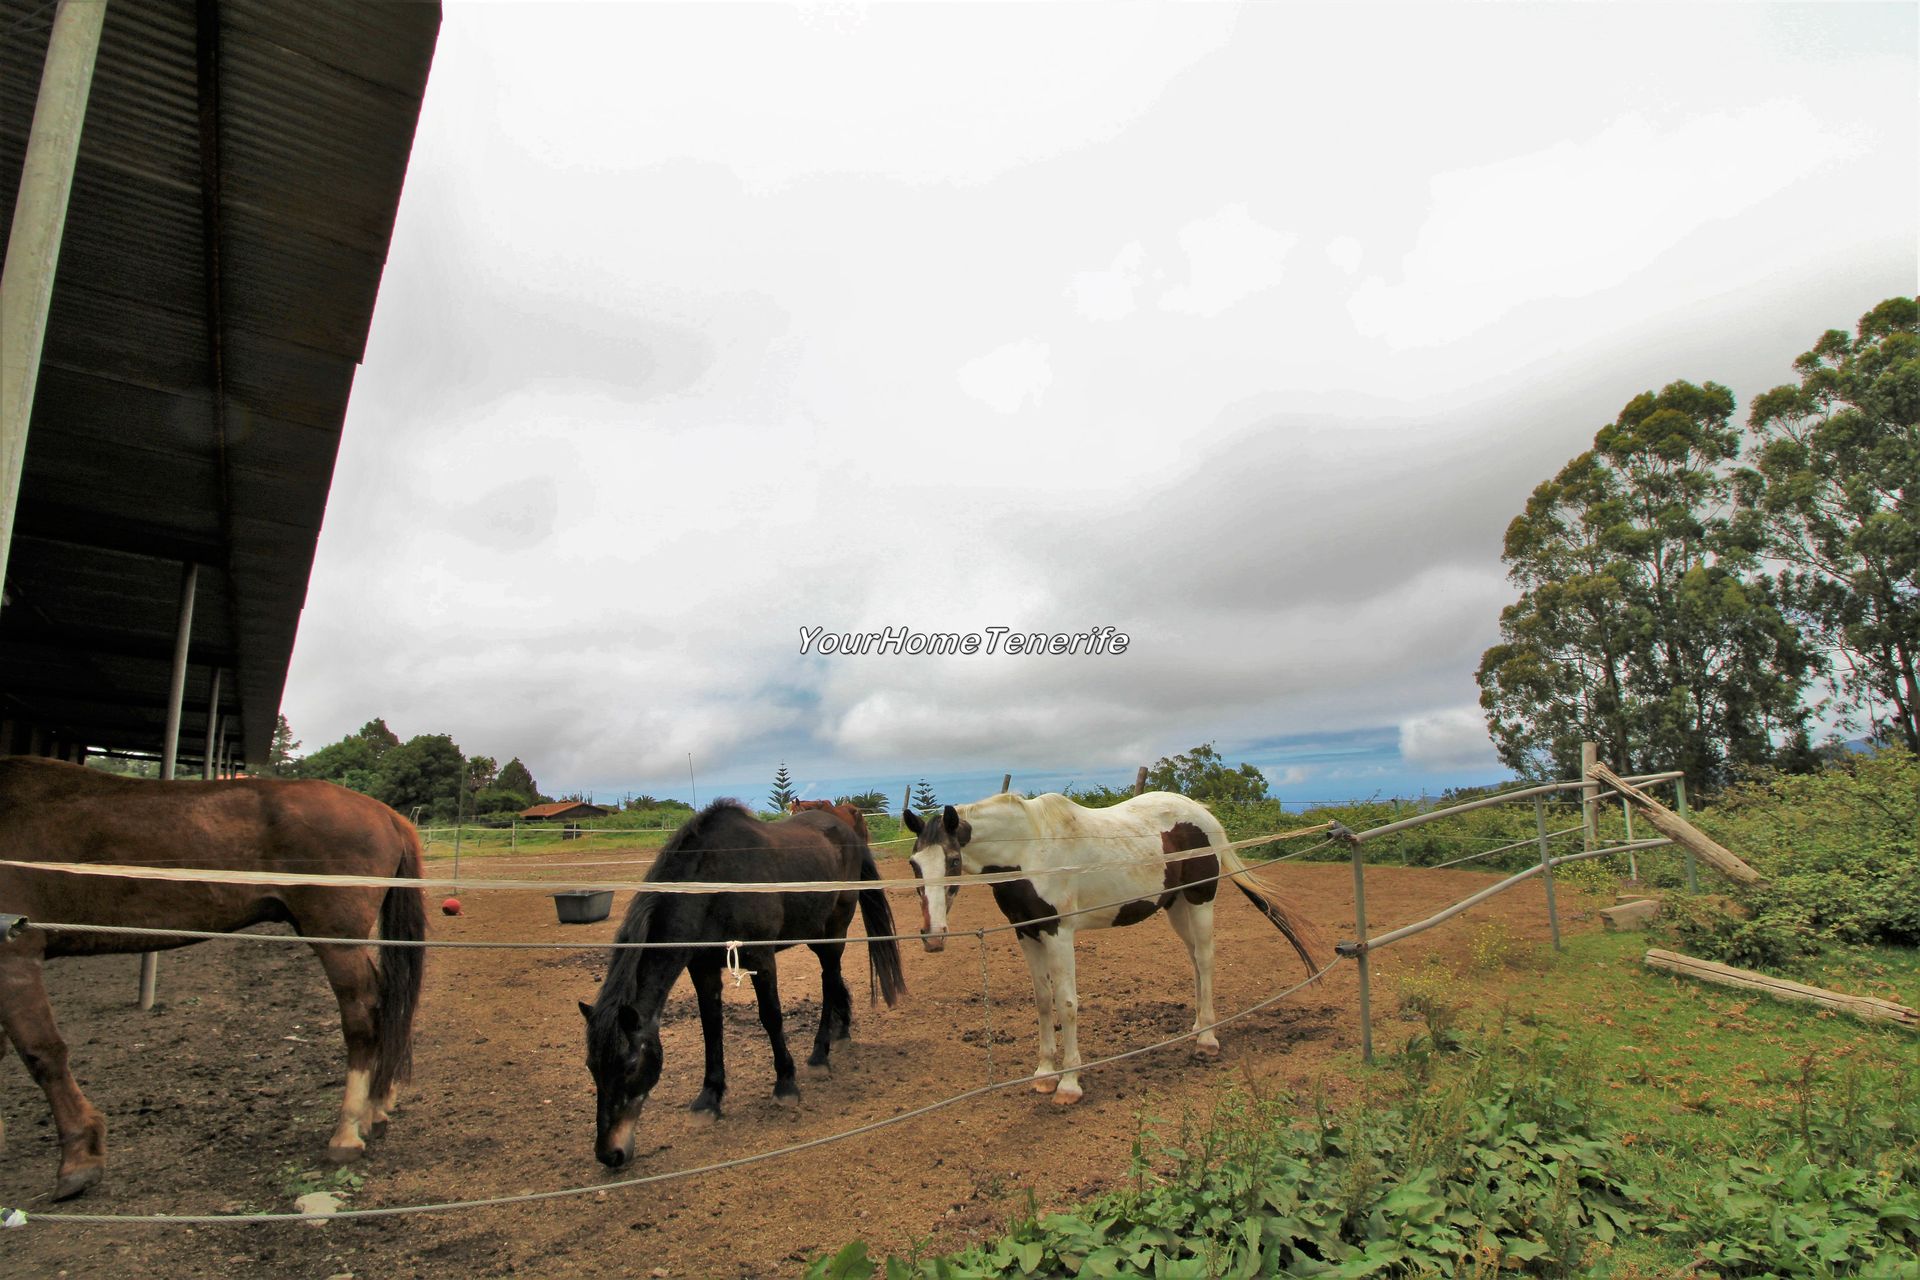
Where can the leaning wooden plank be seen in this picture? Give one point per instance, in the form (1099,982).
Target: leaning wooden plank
(1676,828)
(1781,988)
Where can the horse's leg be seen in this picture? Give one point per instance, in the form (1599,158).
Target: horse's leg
(28,1020)
(705,973)
(836,1008)
(355,983)
(1066,1011)
(1193,921)
(766,986)
(1036,953)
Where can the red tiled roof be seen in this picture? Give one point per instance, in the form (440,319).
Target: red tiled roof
(559,807)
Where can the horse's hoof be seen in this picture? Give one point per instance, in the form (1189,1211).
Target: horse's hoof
(1066,1095)
(345,1155)
(706,1116)
(819,1071)
(786,1094)
(1206,1050)
(1047,1085)
(73,1182)
(378,1129)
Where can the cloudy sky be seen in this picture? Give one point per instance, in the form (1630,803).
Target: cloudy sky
(1244,330)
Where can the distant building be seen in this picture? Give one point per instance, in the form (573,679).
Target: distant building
(563,811)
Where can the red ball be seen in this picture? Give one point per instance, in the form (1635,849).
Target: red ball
(451,906)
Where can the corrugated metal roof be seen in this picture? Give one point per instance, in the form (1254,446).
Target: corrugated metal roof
(139,456)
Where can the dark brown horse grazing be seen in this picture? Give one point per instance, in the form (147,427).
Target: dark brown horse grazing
(849,814)
(726,843)
(54,812)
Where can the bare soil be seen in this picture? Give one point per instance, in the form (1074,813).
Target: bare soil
(218,1100)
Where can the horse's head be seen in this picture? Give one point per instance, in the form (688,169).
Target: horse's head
(623,1053)
(936,860)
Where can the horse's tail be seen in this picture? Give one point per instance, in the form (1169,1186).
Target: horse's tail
(403,918)
(883,952)
(1294,928)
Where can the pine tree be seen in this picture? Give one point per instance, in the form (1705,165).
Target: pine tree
(280,751)
(923,798)
(782,794)
(516,778)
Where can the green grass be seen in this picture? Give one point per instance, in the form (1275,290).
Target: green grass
(1569,1115)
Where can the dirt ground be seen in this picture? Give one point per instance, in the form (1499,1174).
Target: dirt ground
(219,1099)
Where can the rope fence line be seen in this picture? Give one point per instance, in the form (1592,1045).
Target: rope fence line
(207,935)
(528,1197)
(1505,848)
(198,875)
(1359,951)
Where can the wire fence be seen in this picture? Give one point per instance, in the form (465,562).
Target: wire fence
(1358,950)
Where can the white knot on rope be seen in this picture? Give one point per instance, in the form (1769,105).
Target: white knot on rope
(733,963)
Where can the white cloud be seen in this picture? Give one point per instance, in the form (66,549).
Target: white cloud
(1230,257)
(1009,378)
(1582,216)
(664,360)
(1108,295)
(1452,739)
(1345,253)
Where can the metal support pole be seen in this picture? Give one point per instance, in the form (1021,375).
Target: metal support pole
(1633,859)
(1360,934)
(33,245)
(1589,836)
(1546,870)
(170,747)
(1006,782)
(208,766)
(1680,807)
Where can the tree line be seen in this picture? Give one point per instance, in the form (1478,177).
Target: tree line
(1698,597)
(427,774)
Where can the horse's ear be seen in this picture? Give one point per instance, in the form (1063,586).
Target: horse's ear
(629,1018)
(912,820)
(950,819)
(963,833)
(586,1011)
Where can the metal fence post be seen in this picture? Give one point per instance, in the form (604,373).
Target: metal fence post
(1680,806)
(1546,869)
(1633,859)
(1358,948)
(1589,793)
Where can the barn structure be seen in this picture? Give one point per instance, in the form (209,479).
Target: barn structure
(197,199)
(563,811)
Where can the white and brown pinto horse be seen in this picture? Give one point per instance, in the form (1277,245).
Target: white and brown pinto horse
(1091,868)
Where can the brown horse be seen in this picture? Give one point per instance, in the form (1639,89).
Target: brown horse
(847,813)
(54,812)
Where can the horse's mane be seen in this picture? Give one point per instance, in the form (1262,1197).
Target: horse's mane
(696,835)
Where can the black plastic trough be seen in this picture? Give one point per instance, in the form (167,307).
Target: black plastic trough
(583,906)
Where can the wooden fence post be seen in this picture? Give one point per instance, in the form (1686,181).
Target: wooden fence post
(1140,781)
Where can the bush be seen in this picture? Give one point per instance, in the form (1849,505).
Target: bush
(1840,849)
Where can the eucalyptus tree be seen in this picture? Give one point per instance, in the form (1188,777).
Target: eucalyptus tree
(1642,623)
(1835,466)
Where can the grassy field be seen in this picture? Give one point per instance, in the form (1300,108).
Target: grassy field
(1533,1114)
